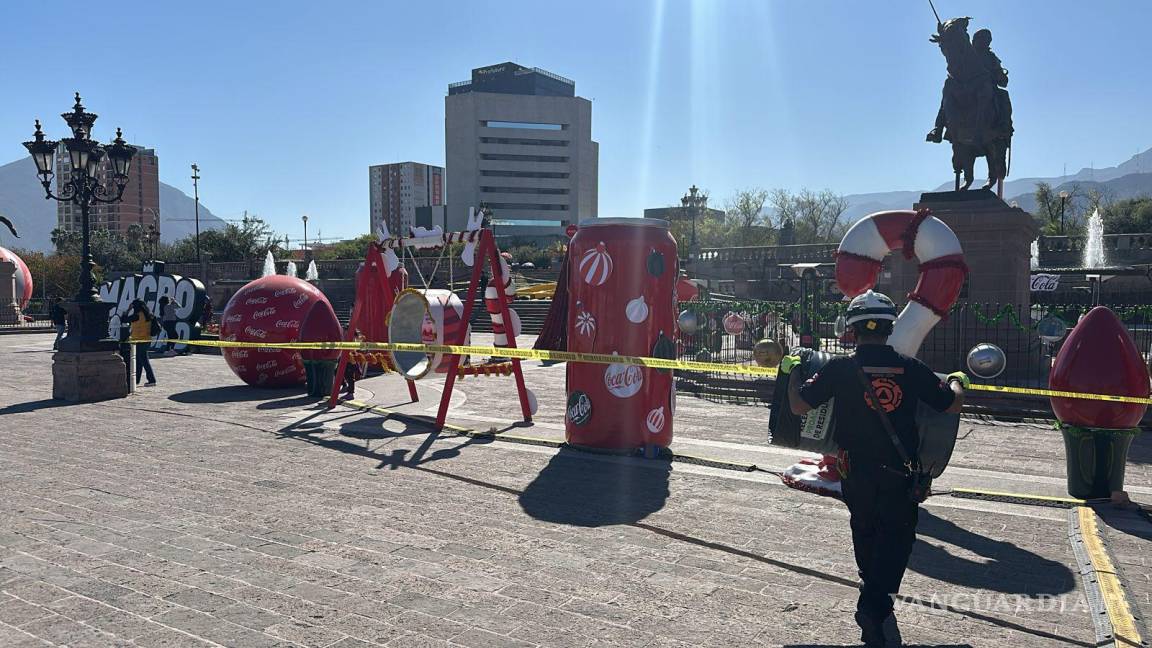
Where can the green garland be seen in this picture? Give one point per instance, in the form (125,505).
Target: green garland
(985,314)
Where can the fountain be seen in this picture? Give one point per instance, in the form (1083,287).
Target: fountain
(312,274)
(1094,246)
(1036,254)
(290,269)
(269,265)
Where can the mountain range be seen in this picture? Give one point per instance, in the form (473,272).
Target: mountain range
(22,201)
(1130,179)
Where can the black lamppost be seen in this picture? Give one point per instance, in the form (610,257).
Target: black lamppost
(692,203)
(1063,199)
(153,237)
(196,193)
(88,316)
(305,219)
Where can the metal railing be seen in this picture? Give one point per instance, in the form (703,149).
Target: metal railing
(945,349)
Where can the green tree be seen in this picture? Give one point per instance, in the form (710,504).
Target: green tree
(351,249)
(1129,216)
(1078,204)
(53,274)
(745,211)
(251,238)
(813,217)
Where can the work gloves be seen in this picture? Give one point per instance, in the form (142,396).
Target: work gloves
(960,377)
(788,362)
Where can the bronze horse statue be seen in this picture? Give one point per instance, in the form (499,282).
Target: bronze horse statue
(975,112)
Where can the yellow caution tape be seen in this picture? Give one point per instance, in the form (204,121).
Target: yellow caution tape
(604,358)
(1029,391)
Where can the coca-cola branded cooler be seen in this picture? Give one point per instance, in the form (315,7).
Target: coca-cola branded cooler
(622,299)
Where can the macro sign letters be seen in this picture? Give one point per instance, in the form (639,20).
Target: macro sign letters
(149,286)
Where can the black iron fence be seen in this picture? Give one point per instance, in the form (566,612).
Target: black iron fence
(33,316)
(727,332)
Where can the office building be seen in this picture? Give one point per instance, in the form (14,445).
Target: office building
(519,140)
(141,200)
(396,191)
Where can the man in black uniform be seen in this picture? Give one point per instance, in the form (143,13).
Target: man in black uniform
(876,484)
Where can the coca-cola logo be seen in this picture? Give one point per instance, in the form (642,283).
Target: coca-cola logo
(232,319)
(1045,282)
(268,350)
(579,408)
(299,301)
(256,300)
(623,380)
(265,366)
(239,354)
(266,312)
(255,332)
(288,324)
(284,291)
(284,372)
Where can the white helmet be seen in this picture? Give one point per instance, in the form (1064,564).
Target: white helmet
(870,306)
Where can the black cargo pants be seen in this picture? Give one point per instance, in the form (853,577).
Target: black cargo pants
(883,532)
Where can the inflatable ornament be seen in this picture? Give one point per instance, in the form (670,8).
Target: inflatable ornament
(23,277)
(596,265)
(268,309)
(767,353)
(704,356)
(688,322)
(733,324)
(636,310)
(1099,357)
(986,361)
(533,402)
(320,325)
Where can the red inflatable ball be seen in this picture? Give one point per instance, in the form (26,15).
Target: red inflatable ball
(270,309)
(23,277)
(1099,357)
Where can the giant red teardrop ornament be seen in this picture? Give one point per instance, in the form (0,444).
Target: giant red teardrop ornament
(1099,357)
(321,325)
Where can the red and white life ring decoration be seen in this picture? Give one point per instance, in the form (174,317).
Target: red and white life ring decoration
(916,234)
(858,262)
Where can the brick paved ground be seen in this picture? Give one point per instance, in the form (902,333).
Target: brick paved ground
(202,513)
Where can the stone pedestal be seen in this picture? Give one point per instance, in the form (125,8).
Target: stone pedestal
(997,243)
(88,376)
(9,308)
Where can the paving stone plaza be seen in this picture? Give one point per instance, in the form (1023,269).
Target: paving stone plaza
(204,512)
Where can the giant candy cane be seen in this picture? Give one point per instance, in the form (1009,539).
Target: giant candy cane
(915,233)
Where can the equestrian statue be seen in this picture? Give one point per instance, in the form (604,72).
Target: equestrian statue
(975,111)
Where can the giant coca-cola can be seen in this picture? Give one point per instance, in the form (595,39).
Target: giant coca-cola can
(622,300)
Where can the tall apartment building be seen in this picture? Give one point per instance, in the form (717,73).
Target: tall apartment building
(140,204)
(519,140)
(395,191)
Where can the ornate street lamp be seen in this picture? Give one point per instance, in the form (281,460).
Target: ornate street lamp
(88,316)
(692,203)
(305,219)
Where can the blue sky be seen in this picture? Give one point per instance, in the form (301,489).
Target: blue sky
(284,105)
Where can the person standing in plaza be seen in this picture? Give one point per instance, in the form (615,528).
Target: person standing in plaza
(143,327)
(59,320)
(876,391)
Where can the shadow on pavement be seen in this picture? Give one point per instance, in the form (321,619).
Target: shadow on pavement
(1012,570)
(1133,522)
(578,490)
(571,506)
(906,645)
(1141,449)
(231,394)
(33,406)
(283,403)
